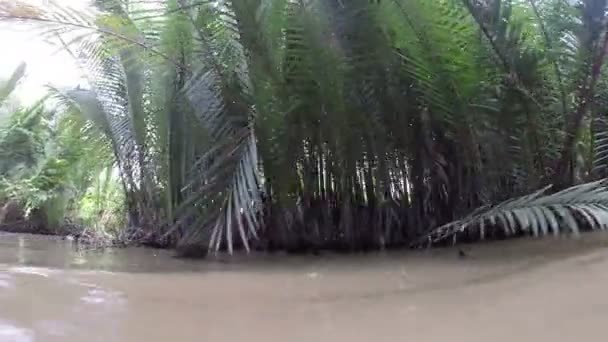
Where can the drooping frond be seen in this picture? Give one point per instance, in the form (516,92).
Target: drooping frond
(224,185)
(580,207)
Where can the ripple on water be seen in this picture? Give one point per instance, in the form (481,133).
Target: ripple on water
(54,327)
(101,296)
(39,271)
(12,333)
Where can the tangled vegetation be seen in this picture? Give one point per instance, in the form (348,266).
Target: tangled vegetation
(55,172)
(299,124)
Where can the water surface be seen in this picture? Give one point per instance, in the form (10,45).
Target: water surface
(526,290)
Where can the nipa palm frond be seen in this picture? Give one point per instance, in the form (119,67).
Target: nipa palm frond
(106,106)
(225,181)
(10,85)
(582,206)
(55,20)
(600,146)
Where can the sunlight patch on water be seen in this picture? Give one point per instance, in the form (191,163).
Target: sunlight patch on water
(6,281)
(11,333)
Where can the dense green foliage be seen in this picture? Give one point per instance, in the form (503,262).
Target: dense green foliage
(345,124)
(54,166)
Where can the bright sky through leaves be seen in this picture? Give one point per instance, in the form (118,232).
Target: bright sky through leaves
(46,63)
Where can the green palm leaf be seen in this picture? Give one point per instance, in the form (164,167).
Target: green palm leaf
(224,185)
(582,206)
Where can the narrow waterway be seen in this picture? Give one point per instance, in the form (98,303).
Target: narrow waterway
(526,290)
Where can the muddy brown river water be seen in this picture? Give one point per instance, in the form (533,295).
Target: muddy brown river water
(525,290)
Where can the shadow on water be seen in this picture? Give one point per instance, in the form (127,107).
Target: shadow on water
(52,252)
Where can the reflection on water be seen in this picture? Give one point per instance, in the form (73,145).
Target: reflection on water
(21,250)
(51,291)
